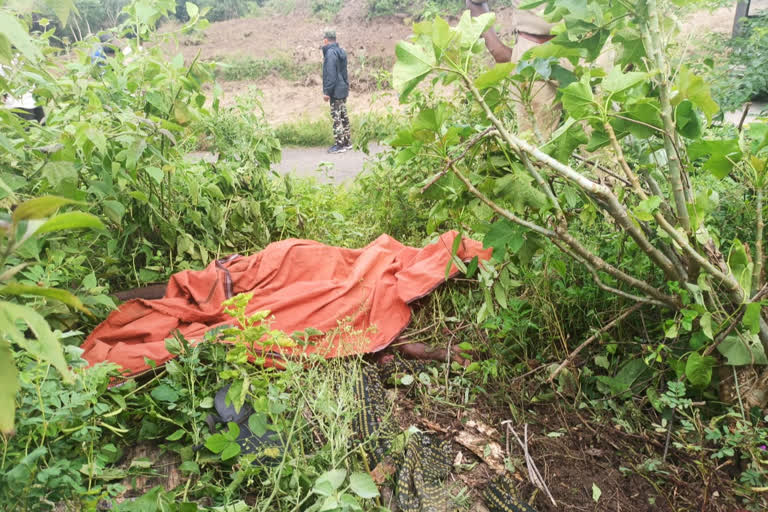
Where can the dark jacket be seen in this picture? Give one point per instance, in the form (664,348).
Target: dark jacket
(335,81)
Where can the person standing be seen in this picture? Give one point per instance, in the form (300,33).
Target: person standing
(336,90)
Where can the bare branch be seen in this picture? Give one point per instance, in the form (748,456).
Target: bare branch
(608,326)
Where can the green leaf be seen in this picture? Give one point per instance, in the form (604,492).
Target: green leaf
(494,75)
(61,8)
(706,325)
(363,485)
(192,10)
(165,393)
(327,483)
(442,34)
(114,210)
(134,152)
(51,293)
(722,155)
(155,173)
(216,443)
(413,64)
(596,493)
(616,81)
(698,369)
(176,435)
(13,30)
(695,89)
(9,386)
(231,450)
(740,265)
(40,208)
(578,99)
(58,173)
(71,220)
(471,28)
(646,208)
(502,235)
(501,295)
(257,423)
(44,346)
(751,318)
(742,352)
(687,121)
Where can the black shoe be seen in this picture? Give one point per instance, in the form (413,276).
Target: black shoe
(337,149)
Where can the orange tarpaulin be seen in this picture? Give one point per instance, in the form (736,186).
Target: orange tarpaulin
(358,297)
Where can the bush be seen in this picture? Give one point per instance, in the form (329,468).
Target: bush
(327,9)
(249,68)
(742,76)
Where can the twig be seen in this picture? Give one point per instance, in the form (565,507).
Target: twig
(474,140)
(533,472)
(602,168)
(744,114)
(669,436)
(592,338)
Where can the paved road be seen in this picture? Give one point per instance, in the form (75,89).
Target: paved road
(328,168)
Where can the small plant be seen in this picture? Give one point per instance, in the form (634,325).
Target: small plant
(326,9)
(30,220)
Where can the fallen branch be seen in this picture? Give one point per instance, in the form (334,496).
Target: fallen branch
(533,472)
(609,325)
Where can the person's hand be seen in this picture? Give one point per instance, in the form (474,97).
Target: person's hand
(326,98)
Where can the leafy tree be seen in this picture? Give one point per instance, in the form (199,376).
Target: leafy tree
(645,119)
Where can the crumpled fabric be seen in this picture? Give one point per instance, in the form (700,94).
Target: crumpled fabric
(357,297)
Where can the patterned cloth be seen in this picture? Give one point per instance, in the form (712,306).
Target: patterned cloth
(341,132)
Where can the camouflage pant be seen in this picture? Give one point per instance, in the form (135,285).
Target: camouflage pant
(340,122)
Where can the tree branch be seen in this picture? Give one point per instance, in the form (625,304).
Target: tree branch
(597,263)
(472,142)
(592,338)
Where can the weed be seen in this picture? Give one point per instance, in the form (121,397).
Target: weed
(250,68)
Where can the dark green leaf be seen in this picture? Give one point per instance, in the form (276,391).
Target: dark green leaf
(698,369)
(165,393)
(687,121)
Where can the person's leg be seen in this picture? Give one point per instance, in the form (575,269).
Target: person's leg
(346,132)
(336,115)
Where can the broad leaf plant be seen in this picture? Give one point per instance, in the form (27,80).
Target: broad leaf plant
(634,157)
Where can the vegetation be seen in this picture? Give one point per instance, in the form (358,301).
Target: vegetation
(738,78)
(626,288)
(249,68)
